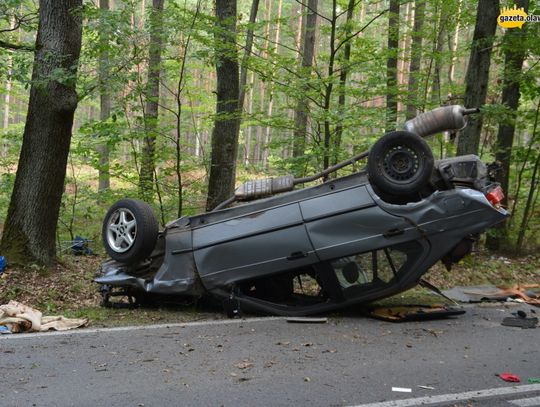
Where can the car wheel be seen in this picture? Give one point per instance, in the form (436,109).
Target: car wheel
(400,163)
(130,231)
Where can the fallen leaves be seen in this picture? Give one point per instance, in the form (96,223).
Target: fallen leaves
(245,364)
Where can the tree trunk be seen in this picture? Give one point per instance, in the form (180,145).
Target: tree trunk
(344,65)
(146,177)
(7,97)
(7,100)
(267,133)
(302,106)
(436,99)
(249,130)
(453,39)
(105,97)
(329,87)
(404,46)
(225,134)
(247,52)
(259,139)
(476,79)
(528,205)
(391,65)
(30,227)
(514,54)
(416,60)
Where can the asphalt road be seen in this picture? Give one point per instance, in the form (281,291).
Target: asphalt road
(349,361)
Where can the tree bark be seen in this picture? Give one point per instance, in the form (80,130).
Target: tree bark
(249,131)
(259,137)
(392,65)
(436,99)
(247,53)
(514,54)
(416,60)
(476,79)
(30,227)
(267,133)
(329,87)
(151,111)
(344,65)
(528,205)
(225,134)
(7,97)
(105,97)
(453,39)
(302,106)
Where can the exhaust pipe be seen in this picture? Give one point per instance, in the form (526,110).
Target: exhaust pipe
(446,118)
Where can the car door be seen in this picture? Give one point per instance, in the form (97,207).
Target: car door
(253,245)
(348,221)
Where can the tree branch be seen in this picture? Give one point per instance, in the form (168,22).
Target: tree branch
(16,47)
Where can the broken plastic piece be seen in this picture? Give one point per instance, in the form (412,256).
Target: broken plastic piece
(307,320)
(79,246)
(510,377)
(520,322)
(402,389)
(495,196)
(413,313)
(3,264)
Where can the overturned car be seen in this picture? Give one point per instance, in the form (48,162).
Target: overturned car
(346,241)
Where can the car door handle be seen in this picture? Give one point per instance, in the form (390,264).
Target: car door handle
(297,255)
(393,232)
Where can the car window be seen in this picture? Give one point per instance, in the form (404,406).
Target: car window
(374,267)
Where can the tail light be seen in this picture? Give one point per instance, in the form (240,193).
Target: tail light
(495,196)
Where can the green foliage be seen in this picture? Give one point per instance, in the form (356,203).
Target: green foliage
(120,37)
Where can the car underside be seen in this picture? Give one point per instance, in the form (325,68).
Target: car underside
(346,241)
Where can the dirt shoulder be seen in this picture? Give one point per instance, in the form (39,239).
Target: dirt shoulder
(68,288)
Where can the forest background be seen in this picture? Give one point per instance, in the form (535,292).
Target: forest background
(313,82)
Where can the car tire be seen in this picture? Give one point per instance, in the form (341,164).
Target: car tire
(130,231)
(400,164)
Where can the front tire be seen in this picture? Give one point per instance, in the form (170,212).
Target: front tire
(130,230)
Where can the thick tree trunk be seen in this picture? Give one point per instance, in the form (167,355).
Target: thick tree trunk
(392,65)
(476,79)
(30,227)
(416,59)
(105,98)
(514,54)
(302,106)
(151,112)
(225,134)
